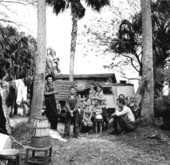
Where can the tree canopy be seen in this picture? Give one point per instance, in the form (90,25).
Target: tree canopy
(128,42)
(18,52)
(77,9)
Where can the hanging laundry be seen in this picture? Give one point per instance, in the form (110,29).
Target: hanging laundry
(21,91)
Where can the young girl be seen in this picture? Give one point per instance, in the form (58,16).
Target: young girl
(87,123)
(98,116)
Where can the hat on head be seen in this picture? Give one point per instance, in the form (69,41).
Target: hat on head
(49,75)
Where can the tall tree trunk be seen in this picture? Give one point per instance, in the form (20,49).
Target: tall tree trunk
(147,61)
(73,46)
(40,61)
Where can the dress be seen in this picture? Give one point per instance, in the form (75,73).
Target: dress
(87,116)
(51,110)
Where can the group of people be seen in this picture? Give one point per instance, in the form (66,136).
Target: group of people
(88,113)
(85,113)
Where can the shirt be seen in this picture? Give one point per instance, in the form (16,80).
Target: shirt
(98,112)
(126,111)
(49,87)
(72,102)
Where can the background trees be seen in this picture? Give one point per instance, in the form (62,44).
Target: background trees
(17,53)
(123,37)
(77,12)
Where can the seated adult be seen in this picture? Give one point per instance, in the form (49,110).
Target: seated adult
(123,118)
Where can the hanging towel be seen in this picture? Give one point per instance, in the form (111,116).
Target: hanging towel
(21,91)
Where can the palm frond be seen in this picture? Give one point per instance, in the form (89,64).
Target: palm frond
(58,5)
(97,4)
(77,9)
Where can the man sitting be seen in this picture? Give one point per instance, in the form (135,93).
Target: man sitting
(123,118)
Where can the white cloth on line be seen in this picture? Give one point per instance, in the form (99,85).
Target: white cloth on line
(21,91)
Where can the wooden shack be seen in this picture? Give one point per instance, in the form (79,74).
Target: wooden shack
(111,88)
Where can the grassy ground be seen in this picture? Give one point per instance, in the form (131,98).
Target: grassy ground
(148,146)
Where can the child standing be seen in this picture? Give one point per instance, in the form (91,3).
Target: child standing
(72,103)
(98,119)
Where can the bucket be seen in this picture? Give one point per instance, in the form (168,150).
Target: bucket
(12,155)
(40,137)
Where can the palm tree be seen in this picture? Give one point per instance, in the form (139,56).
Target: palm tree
(147,61)
(40,63)
(78,12)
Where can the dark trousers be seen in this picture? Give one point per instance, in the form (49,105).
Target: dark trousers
(166,118)
(105,118)
(98,125)
(54,124)
(76,122)
(122,123)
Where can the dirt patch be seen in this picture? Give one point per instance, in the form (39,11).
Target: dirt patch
(147,146)
(105,149)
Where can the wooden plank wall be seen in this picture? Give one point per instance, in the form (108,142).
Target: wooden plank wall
(63,89)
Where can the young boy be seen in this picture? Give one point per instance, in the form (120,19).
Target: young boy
(72,103)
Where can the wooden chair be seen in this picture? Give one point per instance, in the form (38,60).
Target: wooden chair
(37,159)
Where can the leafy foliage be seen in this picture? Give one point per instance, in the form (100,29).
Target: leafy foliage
(76,6)
(97,4)
(129,36)
(16,53)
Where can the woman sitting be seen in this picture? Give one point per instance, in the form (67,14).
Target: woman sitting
(88,111)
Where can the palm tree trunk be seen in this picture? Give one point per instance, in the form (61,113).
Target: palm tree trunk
(147,60)
(40,61)
(73,46)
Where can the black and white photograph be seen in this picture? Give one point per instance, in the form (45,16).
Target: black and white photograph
(84,82)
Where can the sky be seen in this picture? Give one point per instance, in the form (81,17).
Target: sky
(59,35)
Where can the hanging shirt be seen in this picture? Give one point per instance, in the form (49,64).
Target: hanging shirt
(21,91)
(165,89)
